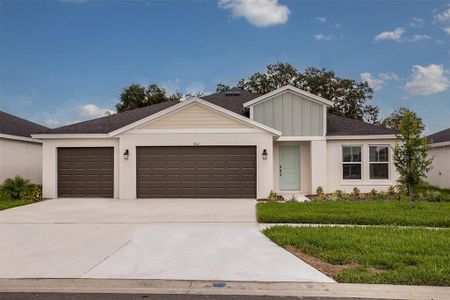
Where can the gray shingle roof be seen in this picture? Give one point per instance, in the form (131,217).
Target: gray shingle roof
(235,102)
(12,125)
(440,137)
(337,125)
(110,123)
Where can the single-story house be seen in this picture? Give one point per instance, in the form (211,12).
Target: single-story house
(439,175)
(233,144)
(20,154)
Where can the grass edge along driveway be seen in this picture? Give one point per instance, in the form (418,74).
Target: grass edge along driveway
(431,214)
(387,255)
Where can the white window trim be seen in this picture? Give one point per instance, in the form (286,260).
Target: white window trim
(380,162)
(347,162)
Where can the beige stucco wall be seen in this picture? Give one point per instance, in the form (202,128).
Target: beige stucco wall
(130,141)
(20,158)
(49,169)
(334,167)
(195,116)
(440,174)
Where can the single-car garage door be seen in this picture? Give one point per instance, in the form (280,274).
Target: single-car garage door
(196,172)
(86,172)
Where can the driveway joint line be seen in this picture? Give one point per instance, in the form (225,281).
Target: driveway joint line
(108,256)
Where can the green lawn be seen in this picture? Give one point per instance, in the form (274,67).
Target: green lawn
(433,214)
(390,255)
(5,202)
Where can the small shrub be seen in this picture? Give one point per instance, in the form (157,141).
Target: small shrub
(319,190)
(274,197)
(391,190)
(372,193)
(32,192)
(291,198)
(432,196)
(356,192)
(13,187)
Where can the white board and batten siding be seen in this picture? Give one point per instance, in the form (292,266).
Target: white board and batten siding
(291,114)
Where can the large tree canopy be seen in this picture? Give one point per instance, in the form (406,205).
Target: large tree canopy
(349,96)
(135,96)
(394,119)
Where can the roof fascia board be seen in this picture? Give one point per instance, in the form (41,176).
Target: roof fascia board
(441,144)
(191,101)
(71,136)
(293,89)
(19,138)
(362,137)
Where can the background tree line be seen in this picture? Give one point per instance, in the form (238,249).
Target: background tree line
(350,98)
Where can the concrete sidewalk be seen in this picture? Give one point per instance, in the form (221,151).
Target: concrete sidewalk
(316,290)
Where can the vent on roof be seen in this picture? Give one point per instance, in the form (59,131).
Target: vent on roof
(233,92)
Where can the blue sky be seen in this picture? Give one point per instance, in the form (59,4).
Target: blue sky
(66,61)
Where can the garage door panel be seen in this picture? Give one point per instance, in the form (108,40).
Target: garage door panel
(196,172)
(86,172)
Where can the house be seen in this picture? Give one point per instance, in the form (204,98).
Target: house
(439,175)
(20,154)
(231,144)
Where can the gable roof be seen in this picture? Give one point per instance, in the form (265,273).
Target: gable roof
(202,102)
(233,101)
(440,136)
(292,89)
(13,125)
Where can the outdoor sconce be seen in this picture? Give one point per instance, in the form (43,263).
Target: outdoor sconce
(264,154)
(126,154)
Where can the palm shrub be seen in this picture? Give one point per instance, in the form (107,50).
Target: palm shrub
(13,187)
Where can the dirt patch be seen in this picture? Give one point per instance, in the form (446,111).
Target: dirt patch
(324,267)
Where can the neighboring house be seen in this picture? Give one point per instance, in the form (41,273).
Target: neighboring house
(20,154)
(209,148)
(440,148)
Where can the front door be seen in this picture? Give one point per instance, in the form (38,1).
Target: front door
(289,169)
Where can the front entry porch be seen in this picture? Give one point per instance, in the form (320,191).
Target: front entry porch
(299,167)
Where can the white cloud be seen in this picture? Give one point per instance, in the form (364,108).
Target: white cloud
(447,29)
(92,111)
(388,76)
(323,37)
(53,123)
(376,83)
(416,23)
(427,80)
(338,25)
(373,82)
(418,38)
(442,17)
(261,13)
(172,86)
(321,19)
(395,35)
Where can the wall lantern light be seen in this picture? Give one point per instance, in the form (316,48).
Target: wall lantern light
(264,154)
(126,154)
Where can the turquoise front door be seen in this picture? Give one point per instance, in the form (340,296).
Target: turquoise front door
(289,169)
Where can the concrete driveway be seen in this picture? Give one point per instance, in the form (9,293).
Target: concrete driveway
(185,239)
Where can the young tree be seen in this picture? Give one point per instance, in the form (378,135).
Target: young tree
(411,154)
(349,96)
(135,96)
(394,119)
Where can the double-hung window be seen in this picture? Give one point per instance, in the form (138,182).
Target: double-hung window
(351,162)
(379,162)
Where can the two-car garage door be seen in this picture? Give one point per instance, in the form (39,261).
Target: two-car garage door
(196,172)
(162,172)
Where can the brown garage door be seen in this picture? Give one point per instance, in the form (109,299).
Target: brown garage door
(196,172)
(86,172)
